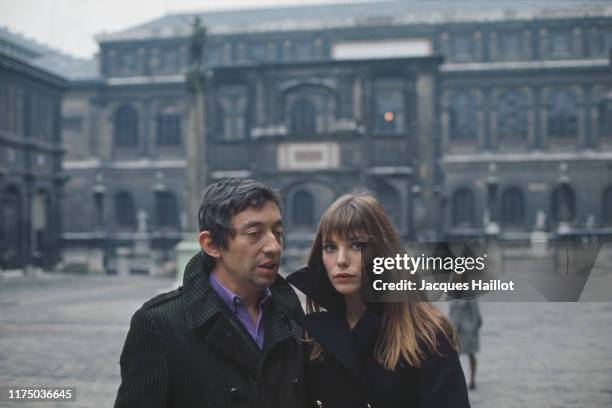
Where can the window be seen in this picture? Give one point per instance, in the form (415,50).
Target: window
(509,44)
(512,117)
(4,105)
(461,47)
(606,43)
(169,127)
(604,119)
(606,208)
(391,202)
(512,207)
(304,50)
(166,210)
(127,62)
(303,117)
(560,43)
(389,108)
(231,114)
(126,127)
(257,51)
(463,208)
(125,213)
(563,204)
(169,60)
(303,209)
(214,54)
(98,198)
(463,122)
(563,115)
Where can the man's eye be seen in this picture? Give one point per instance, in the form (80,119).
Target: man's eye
(253,233)
(280,234)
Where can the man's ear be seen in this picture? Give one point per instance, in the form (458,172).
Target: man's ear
(208,245)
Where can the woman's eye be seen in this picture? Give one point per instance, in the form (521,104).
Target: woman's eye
(329,247)
(357,246)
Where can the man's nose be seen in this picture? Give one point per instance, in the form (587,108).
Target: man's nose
(272,246)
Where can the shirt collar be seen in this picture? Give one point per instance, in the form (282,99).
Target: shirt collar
(232,299)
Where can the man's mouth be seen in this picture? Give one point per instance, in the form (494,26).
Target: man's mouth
(270,265)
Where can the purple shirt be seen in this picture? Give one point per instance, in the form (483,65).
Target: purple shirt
(237,306)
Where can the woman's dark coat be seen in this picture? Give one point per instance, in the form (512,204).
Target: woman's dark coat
(185,349)
(348,375)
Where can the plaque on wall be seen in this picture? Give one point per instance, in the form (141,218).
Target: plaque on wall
(308,156)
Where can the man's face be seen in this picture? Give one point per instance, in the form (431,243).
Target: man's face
(252,256)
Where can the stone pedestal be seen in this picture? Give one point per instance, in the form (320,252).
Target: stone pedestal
(539,243)
(185,250)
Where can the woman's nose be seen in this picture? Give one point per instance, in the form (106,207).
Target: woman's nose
(342,259)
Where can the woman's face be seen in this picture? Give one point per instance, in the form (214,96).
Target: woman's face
(342,260)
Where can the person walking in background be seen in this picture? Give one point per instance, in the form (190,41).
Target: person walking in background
(465,316)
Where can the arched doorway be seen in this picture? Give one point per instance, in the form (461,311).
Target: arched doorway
(11,238)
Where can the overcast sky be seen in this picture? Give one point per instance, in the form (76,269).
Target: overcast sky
(70,25)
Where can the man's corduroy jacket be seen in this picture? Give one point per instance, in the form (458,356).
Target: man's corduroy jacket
(184,349)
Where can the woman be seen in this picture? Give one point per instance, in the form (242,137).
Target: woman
(370,354)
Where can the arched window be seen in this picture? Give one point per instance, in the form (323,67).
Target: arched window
(604,115)
(606,206)
(563,115)
(389,107)
(563,204)
(303,209)
(463,118)
(512,117)
(126,127)
(166,210)
(391,202)
(463,208)
(125,213)
(512,207)
(169,127)
(303,117)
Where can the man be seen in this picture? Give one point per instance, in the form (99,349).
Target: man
(227,337)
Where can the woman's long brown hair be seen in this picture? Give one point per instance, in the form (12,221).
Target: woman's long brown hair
(409,329)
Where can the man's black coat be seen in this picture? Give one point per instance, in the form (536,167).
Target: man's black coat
(185,349)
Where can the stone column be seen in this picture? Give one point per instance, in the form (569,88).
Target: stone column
(425,225)
(195,145)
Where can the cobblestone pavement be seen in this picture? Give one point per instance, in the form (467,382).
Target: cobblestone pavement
(61,330)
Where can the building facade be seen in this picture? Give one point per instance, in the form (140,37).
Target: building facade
(31,176)
(465,118)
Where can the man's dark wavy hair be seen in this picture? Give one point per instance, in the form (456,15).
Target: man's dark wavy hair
(226,198)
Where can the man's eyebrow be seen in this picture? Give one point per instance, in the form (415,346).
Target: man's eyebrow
(250,224)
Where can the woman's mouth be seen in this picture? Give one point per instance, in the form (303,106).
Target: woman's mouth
(343,275)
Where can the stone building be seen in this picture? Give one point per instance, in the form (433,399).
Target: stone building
(466,119)
(31,177)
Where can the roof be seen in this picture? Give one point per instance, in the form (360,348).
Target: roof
(313,17)
(47,59)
